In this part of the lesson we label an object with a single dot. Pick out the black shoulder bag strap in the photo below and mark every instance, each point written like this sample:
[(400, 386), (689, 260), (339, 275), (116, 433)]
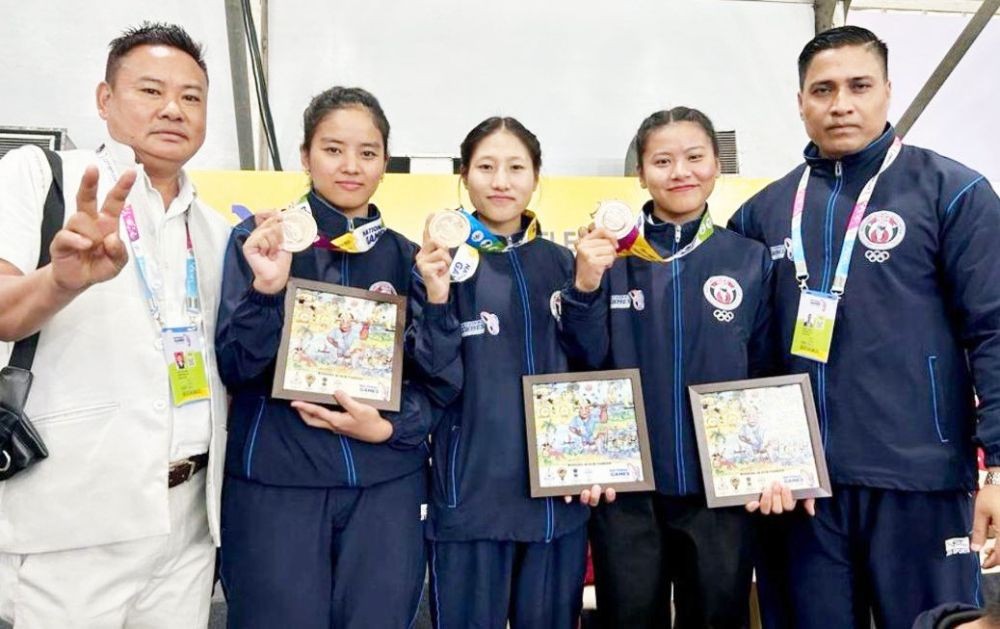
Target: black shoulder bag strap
[(53, 215)]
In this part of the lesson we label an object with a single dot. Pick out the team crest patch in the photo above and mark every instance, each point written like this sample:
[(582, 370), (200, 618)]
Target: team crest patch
[(383, 287), (725, 294), (638, 298), (555, 305), (879, 232), (487, 322)]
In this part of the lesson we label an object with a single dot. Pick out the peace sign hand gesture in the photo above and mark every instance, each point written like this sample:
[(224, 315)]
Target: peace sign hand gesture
[(87, 250)]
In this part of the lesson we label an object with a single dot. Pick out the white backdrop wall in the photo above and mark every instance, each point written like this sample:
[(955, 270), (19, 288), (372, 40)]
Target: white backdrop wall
[(52, 56), (963, 119), (580, 73)]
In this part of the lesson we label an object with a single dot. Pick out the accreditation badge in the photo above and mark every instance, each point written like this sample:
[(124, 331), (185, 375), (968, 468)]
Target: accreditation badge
[(814, 326), (185, 358)]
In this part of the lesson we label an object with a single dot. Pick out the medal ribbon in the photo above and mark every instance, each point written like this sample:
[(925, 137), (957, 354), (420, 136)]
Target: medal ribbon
[(481, 238), (355, 240), (635, 243), (850, 237)]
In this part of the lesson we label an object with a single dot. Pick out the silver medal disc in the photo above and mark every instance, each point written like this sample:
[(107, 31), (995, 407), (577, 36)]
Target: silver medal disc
[(449, 228), (299, 230), (616, 217)]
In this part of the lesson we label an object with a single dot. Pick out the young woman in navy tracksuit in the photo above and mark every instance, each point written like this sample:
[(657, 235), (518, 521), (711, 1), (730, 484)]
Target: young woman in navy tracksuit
[(321, 523), (496, 553), (696, 318)]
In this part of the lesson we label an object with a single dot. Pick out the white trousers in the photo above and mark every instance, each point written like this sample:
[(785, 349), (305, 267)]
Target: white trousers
[(162, 582)]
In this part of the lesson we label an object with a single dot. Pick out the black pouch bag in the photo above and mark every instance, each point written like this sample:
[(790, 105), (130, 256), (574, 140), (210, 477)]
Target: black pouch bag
[(20, 444)]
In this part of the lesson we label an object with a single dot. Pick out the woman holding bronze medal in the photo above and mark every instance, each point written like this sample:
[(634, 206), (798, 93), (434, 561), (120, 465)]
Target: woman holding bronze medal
[(321, 509), (686, 302), (484, 316)]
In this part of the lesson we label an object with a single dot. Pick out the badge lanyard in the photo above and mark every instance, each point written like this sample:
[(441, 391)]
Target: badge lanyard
[(183, 346), (150, 278), (817, 312), (356, 240)]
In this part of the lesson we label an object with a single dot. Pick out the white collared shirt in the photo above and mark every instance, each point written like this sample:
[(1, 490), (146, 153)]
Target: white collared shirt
[(165, 245)]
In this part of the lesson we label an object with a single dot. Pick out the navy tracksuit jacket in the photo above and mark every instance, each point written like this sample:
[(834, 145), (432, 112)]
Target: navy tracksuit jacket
[(268, 441), (472, 351), (319, 529), (661, 319), (918, 324)]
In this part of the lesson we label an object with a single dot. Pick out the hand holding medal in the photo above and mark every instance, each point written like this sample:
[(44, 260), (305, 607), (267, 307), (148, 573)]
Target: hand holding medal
[(615, 220), (434, 260), (595, 253), (270, 262), (298, 228)]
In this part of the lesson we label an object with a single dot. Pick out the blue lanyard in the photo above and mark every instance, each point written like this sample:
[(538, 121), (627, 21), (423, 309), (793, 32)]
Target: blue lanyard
[(152, 281)]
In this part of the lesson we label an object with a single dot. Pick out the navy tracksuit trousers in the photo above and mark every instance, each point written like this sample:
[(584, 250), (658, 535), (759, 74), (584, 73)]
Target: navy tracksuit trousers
[(323, 558), (871, 553)]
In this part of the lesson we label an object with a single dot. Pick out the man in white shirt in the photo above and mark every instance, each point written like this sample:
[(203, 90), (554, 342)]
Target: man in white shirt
[(118, 527)]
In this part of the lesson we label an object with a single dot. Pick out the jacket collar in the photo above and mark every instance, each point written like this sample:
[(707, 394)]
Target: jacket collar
[(332, 221), (664, 234)]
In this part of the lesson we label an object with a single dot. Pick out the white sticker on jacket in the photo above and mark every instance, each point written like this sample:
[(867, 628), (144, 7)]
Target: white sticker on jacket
[(621, 302), (957, 546), (487, 322)]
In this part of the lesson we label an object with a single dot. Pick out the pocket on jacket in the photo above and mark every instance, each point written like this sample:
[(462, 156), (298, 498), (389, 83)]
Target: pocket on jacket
[(452, 481), (74, 414), (937, 399)]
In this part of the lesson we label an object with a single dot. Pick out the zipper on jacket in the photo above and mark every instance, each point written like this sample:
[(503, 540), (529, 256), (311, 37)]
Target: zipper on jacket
[(522, 289), (678, 366), (838, 172), (345, 445)]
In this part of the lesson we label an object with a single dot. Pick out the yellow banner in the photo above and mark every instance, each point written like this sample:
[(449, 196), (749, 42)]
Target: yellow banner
[(562, 203)]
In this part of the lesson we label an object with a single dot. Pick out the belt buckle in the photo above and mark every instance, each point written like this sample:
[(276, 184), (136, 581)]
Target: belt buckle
[(179, 464)]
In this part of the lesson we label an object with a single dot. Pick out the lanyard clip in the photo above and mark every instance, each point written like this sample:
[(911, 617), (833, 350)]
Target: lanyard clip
[(803, 281)]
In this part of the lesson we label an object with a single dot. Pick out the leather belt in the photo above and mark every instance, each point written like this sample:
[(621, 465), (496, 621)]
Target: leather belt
[(182, 471)]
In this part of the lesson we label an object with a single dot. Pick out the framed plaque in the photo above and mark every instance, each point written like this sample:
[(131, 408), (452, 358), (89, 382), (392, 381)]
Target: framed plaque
[(752, 433), (585, 429), (340, 338)]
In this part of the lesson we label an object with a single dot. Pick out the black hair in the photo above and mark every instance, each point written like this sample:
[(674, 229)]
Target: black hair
[(151, 34), (669, 116), (492, 125), (340, 97), (838, 38)]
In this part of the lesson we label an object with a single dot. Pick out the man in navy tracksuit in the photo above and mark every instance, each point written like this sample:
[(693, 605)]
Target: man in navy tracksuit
[(689, 321), (497, 553), (917, 325), (305, 508)]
